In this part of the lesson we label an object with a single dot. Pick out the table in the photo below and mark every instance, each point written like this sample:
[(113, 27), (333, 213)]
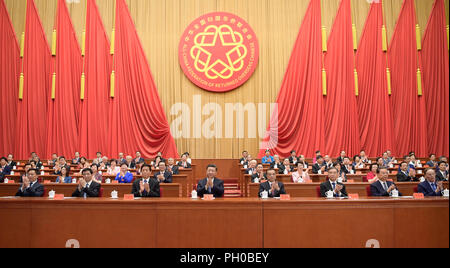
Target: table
[(232, 223), (310, 189), (167, 189)]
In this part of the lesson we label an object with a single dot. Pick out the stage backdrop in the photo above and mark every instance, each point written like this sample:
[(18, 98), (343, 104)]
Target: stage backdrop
[(160, 24)]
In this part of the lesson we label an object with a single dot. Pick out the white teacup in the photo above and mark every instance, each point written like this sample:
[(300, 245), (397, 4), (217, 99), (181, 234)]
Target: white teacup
[(445, 193), (256, 180), (74, 180), (250, 172), (42, 173), (419, 171), (194, 194), (394, 193), (114, 194), (286, 172), (245, 166), (422, 179), (14, 167), (275, 166), (352, 172), (320, 172), (12, 173), (329, 194), (264, 194), (51, 194), (6, 180), (340, 180), (108, 181)]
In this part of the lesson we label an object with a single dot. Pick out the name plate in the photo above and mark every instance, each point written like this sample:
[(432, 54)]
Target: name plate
[(59, 197), (285, 197), (353, 196), (418, 196), (128, 197), (208, 197)]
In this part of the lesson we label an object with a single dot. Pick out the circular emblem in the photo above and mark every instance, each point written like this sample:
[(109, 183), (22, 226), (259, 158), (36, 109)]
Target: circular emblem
[(219, 52)]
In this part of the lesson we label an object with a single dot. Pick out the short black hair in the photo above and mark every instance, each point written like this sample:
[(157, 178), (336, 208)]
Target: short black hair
[(317, 152), (33, 169), (4, 158), (380, 168), (260, 164), (403, 162), (319, 157), (62, 157), (146, 165), (432, 155), (99, 152), (271, 169), (212, 166), (442, 162), (332, 168), (123, 164), (87, 169)]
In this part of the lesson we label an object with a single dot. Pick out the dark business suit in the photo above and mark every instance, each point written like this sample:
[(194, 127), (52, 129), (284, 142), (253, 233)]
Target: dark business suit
[(167, 177), (12, 164), (36, 190), (92, 191), (186, 165), (402, 177), (377, 189), (138, 161), (153, 185), (175, 169), (266, 187), (440, 177), (316, 167), (6, 171), (217, 190), (425, 188), (347, 170), (131, 165), (326, 186), (256, 175)]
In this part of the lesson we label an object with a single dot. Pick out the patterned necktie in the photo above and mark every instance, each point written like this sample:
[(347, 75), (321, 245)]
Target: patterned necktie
[(433, 186)]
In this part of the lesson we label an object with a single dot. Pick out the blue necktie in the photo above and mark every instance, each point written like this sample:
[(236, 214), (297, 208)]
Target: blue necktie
[(433, 186)]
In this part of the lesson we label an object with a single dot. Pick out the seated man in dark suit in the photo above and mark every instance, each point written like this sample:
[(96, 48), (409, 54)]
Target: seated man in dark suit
[(432, 163), (244, 157), (442, 173), (347, 167), (337, 188), (211, 184), (259, 175), (5, 169), (30, 186), (430, 187), (172, 168), (383, 187), (293, 159), (272, 186), (138, 160), (163, 176), (184, 162), (87, 187), (319, 166), (403, 175), (147, 186), (11, 161)]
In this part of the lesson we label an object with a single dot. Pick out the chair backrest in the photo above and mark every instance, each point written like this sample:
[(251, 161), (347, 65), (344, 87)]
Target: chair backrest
[(161, 192), (364, 178), (100, 192), (369, 192), (416, 189), (44, 193), (318, 191)]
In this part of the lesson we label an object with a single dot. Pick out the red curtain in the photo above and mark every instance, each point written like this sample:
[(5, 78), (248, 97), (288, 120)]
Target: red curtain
[(375, 117), (435, 62), (9, 81), (63, 111), (31, 129), (341, 111), (407, 106), (299, 123), (94, 118), (138, 120)]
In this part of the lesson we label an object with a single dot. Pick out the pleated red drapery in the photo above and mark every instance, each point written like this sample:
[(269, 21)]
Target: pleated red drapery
[(435, 71), (9, 81), (94, 118), (375, 117), (63, 111), (341, 111), (408, 107), (31, 129), (299, 122), (138, 120)]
